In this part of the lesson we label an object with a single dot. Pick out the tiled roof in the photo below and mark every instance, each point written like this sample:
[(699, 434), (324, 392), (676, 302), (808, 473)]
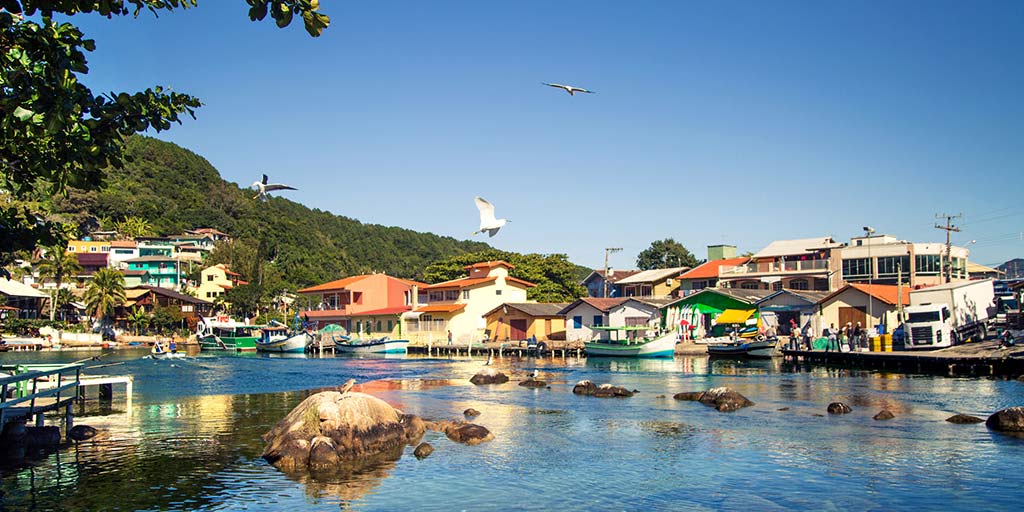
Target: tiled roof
[(461, 283), (490, 264), (440, 308), (601, 304), (172, 294), (333, 285), (527, 284), (123, 244), (709, 269), (533, 308), (884, 292)]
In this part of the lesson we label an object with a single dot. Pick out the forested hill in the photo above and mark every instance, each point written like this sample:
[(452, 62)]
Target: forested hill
[(175, 189)]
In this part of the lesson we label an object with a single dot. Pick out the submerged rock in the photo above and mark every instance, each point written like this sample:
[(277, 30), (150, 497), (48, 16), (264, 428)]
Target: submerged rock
[(462, 432), (721, 398), (839, 408), (962, 419), (471, 413), (533, 383), (39, 437), (1010, 419), (610, 391), (783, 409), (329, 428), (423, 450), (884, 414), (489, 375), (82, 433)]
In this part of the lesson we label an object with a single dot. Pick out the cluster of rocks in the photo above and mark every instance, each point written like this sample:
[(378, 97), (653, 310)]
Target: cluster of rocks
[(721, 398), (585, 387)]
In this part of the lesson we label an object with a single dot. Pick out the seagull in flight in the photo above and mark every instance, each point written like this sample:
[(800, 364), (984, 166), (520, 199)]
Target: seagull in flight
[(262, 187), (487, 221), (568, 88)]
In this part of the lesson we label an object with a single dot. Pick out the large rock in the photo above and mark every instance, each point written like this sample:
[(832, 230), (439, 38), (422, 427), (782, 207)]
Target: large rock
[(1007, 420), (963, 419), (533, 383), (40, 437), (884, 414), (584, 387), (839, 408), (82, 433), (722, 398), (423, 450), (610, 391), (331, 428), (462, 432), (471, 413), (489, 375)]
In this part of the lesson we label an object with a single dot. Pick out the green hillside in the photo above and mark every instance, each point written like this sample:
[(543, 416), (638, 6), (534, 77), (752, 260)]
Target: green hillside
[(175, 189)]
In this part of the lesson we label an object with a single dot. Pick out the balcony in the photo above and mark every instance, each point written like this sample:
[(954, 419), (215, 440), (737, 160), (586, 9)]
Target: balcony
[(775, 267)]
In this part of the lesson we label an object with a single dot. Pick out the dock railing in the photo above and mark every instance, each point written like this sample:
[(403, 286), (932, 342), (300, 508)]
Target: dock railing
[(30, 390)]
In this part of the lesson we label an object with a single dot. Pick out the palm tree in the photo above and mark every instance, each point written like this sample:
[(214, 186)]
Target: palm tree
[(57, 264), (138, 318), (104, 293), (61, 299), (133, 227)]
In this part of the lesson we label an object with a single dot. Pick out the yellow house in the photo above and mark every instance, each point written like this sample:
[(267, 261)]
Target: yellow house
[(657, 283), (215, 281), (456, 308), (88, 246), (519, 321)]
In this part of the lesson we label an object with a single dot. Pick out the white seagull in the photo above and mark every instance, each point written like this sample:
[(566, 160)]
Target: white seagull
[(568, 88), (487, 221), (262, 187)]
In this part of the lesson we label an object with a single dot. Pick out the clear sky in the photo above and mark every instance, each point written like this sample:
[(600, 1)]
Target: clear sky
[(712, 122)]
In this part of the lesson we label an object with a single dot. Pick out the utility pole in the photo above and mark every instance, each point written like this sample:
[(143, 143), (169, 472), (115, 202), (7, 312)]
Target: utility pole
[(607, 251), (947, 264)]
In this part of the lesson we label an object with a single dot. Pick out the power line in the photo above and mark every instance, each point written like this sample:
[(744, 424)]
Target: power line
[(947, 266)]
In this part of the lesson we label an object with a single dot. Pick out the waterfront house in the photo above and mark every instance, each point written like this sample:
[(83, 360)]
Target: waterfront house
[(150, 297), (883, 259), (371, 304), (783, 308), (216, 280), (871, 305), (517, 321), (705, 275), (458, 306), (803, 264), (596, 281), (27, 300), (163, 270), (656, 283), (696, 315), (586, 313)]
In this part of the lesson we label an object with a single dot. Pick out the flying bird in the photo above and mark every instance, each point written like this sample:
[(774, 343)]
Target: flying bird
[(568, 88), (262, 187), (487, 221)]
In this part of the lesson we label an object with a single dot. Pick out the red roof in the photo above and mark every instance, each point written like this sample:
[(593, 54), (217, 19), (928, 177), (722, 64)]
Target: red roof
[(461, 283), (490, 264), (440, 308), (328, 313), (520, 281), (333, 285), (123, 244), (709, 269), (883, 292)]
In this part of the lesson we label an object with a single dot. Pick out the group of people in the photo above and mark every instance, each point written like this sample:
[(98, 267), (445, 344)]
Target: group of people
[(848, 337)]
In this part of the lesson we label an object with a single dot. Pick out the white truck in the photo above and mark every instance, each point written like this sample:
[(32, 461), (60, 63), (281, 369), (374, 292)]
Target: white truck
[(948, 314)]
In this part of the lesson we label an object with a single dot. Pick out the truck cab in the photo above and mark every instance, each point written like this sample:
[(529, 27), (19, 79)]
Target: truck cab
[(928, 327)]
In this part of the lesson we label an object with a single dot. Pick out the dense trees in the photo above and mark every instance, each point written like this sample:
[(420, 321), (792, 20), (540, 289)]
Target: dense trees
[(54, 132), (665, 253), (57, 264), (556, 278)]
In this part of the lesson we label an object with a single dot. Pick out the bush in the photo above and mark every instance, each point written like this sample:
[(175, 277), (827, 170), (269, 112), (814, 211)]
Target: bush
[(30, 327)]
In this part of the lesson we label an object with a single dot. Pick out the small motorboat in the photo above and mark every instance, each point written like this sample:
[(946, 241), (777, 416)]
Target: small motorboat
[(757, 348), (384, 345)]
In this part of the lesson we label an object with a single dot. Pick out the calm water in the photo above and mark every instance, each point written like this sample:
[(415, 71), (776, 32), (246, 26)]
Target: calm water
[(192, 440)]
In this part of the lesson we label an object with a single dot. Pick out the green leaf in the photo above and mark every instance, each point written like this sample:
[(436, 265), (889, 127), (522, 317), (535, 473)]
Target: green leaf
[(23, 114), (258, 11), (285, 18)]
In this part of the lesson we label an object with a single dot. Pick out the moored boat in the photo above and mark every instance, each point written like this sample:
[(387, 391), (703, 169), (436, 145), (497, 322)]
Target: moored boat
[(633, 344), (224, 333), (383, 345), (744, 348), (278, 339)]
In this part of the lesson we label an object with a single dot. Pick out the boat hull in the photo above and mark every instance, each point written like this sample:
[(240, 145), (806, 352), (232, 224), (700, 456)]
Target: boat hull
[(229, 342), (664, 346), (751, 349), (373, 347), (295, 344)]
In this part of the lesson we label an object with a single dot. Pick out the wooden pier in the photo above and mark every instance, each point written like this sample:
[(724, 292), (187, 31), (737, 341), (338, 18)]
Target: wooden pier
[(497, 349), (972, 359)]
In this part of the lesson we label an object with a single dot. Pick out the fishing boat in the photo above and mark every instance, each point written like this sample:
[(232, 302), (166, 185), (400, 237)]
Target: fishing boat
[(159, 352), (279, 339), (224, 333), (382, 345), (631, 342), (757, 349)]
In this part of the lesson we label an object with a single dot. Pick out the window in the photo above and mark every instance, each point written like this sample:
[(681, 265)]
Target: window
[(209, 277), (105, 249), (750, 285), (378, 326), (426, 319), (577, 322), (856, 268), (891, 266), (928, 264), (598, 320), (71, 248), (451, 295), (391, 325), (497, 292), (92, 249), (436, 296), (798, 284), (465, 294)]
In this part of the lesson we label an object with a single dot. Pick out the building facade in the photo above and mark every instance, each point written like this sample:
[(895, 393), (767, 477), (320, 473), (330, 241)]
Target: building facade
[(517, 321), (802, 264), (884, 259)]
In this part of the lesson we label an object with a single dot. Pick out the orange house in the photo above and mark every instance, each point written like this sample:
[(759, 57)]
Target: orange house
[(371, 304)]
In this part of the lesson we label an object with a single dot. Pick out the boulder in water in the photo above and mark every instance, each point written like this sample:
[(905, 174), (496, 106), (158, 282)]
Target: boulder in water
[(82, 433), (584, 387), (471, 413), (423, 450), (39, 437), (354, 426), (610, 391), (462, 432), (884, 414), (721, 398), (839, 408), (963, 419), (533, 383), (1010, 419), (489, 375)]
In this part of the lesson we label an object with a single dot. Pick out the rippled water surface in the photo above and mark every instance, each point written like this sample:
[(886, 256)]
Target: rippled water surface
[(192, 440)]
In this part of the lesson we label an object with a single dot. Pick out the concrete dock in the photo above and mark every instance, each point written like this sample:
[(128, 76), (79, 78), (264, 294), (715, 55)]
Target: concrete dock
[(971, 359)]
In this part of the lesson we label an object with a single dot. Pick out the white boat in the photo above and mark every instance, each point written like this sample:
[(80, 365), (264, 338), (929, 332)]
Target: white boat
[(633, 345), (383, 345), (278, 339), (760, 349)]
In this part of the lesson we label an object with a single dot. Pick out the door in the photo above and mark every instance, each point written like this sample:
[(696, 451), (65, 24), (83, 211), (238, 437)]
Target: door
[(518, 329), (852, 315)]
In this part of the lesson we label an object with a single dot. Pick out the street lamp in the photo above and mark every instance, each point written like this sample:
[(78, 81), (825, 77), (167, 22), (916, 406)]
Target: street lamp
[(868, 231), (607, 251)]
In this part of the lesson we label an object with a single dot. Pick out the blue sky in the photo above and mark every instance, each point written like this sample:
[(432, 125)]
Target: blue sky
[(713, 122)]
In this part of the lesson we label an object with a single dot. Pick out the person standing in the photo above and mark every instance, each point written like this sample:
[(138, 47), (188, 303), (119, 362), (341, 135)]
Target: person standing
[(858, 334), (449, 337)]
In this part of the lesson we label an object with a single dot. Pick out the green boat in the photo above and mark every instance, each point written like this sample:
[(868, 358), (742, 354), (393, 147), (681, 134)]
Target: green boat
[(223, 333)]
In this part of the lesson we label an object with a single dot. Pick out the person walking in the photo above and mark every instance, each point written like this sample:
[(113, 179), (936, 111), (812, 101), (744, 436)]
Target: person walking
[(858, 335)]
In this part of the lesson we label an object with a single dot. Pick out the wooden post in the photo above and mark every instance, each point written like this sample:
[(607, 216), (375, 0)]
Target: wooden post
[(69, 419), (40, 419), (106, 392)]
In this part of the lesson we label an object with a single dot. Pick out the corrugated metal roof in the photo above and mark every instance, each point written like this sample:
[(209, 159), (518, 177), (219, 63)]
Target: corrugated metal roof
[(650, 276), (796, 247), (13, 288)]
